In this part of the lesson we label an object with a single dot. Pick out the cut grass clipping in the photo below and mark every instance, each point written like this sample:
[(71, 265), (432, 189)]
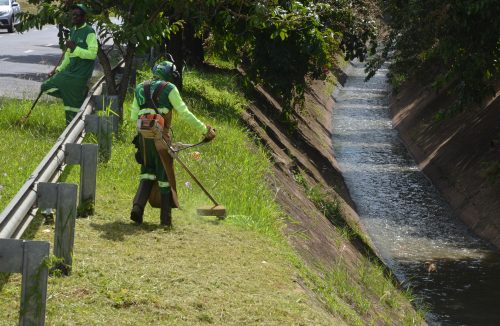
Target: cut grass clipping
[(234, 272)]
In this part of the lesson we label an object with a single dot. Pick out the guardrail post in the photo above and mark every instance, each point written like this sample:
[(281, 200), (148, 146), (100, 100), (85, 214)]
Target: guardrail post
[(86, 156), (28, 258), (62, 197), (102, 126), (109, 105)]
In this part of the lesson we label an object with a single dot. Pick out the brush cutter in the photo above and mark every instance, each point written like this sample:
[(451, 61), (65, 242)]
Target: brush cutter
[(154, 129)]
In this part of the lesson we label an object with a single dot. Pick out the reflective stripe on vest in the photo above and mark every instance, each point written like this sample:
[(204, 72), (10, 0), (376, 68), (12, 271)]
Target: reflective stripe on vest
[(147, 176), (162, 184)]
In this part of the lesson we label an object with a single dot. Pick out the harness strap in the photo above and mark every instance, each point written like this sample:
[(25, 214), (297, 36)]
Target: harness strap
[(151, 101)]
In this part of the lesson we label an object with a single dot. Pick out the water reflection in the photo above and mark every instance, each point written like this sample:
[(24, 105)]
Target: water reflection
[(409, 222)]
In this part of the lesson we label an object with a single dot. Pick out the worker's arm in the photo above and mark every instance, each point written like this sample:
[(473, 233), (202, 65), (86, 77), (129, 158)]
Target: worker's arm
[(175, 98), (134, 112), (65, 62), (91, 51)]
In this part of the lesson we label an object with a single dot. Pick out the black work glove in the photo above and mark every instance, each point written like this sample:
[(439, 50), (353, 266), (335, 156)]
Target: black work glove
[(210, 134)]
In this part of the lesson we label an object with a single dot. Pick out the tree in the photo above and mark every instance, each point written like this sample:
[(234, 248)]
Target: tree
[(447, 43), (134, 28), (281, 44)]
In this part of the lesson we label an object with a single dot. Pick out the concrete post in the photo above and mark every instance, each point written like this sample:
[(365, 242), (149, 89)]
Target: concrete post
[(61, 196), (86, 156), (28, 258)]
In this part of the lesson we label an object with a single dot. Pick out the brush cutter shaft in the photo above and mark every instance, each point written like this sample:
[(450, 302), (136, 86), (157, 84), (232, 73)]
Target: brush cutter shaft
[(196, 180), (173, 153), (176, 147)]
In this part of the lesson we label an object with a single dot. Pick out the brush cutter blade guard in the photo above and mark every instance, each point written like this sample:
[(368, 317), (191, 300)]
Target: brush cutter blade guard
[(217, 210)]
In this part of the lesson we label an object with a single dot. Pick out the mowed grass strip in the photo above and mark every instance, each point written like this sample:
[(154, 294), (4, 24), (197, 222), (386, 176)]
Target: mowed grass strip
[(233, 272)]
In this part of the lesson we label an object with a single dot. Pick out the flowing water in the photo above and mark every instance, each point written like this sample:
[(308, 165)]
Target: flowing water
[(411, 225)]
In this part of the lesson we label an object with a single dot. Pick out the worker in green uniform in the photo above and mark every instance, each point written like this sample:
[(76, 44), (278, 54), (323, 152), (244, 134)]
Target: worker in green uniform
[(164, 98), (69, 80)]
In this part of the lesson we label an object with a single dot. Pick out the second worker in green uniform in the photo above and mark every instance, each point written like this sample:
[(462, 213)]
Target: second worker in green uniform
[(69, 80), (165, 99)]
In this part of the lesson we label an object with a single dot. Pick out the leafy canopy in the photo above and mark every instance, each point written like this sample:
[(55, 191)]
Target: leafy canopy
[(453, 43)]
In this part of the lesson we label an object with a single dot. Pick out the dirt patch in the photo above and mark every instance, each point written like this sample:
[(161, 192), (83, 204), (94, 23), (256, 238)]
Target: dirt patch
[(455, 153)]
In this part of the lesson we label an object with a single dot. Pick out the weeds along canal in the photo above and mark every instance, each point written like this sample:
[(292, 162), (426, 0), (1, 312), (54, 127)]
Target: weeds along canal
[(452, 273)]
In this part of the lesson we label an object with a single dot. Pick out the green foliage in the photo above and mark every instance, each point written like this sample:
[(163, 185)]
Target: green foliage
[(282, 44), (453, 44)]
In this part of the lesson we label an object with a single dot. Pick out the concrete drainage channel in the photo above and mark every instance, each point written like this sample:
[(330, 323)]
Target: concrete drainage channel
[(42, 191)]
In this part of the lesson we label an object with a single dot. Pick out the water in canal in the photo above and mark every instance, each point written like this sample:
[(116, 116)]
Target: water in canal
[(409, 222)]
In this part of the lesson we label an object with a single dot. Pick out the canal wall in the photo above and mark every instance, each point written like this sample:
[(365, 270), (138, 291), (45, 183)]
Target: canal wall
[(458, 154)]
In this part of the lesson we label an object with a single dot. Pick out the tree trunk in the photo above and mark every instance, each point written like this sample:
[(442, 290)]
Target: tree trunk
[(174, 47), (193, 46), (124, 83), (109, 75)]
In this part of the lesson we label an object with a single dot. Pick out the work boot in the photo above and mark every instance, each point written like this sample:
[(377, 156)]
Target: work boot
[(165, 210), (140, 200)]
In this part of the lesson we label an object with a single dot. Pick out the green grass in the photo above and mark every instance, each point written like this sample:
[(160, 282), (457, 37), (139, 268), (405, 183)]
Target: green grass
[(23, 146), (234, 272)]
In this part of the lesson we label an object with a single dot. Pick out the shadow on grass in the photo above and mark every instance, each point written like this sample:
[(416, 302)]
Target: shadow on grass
[(118, 230), (222, 110)]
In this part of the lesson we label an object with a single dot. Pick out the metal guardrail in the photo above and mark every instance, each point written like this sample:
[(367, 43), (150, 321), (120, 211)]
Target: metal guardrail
[(19, 213)]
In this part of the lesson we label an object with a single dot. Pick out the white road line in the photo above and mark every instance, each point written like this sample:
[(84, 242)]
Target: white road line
[(29, 51)]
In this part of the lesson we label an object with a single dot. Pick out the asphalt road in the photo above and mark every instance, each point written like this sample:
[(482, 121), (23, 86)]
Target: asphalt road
[(25, 60)]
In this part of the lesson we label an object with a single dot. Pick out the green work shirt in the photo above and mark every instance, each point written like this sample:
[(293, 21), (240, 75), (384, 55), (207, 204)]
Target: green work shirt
[(70, 81), (79, 62), (169, 99)]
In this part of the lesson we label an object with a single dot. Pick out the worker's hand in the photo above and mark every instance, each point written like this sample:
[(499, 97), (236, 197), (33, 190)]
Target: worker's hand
[(70, 45), (210, 134), (52, 73)]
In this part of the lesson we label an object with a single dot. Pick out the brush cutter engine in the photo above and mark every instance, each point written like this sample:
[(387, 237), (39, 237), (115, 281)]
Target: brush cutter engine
[(151, 126)]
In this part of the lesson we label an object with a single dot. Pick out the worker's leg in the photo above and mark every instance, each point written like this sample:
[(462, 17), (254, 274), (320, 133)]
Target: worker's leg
[(70, 113), (147, 179), (140, 200)]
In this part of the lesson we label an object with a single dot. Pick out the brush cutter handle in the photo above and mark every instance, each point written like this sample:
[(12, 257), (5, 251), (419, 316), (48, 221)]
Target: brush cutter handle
[(177, 147), (23, 119), (197, 181)]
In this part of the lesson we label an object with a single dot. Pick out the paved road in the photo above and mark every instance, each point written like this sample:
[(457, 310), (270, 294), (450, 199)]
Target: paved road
[(25, 60)]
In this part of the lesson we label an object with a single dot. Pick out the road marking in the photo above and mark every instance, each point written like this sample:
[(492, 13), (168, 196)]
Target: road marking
[(29, 51)]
